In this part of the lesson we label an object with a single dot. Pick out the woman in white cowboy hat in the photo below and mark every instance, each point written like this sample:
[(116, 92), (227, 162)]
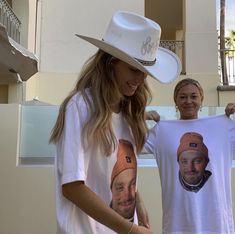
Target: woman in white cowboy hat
[(106, 106)]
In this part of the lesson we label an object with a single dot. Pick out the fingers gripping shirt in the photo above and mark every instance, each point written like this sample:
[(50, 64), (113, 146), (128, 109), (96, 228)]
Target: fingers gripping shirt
[(203, 203)]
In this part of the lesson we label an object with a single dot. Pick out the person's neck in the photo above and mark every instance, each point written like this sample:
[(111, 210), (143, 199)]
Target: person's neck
[(188, 118), (116, 108)]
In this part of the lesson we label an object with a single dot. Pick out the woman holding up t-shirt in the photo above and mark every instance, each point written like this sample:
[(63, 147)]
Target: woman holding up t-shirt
[(194, 206)]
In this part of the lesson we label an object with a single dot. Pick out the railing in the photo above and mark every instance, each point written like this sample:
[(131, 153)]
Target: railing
[(230, 65), (10, 20), (178, 48)]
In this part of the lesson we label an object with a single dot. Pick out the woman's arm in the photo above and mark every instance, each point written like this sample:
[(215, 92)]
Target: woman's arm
[(83, 197)]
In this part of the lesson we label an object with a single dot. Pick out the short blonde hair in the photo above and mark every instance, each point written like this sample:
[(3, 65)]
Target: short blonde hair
[(185, 82)]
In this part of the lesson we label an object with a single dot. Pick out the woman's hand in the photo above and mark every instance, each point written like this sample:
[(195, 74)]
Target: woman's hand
[(152, 115), (142, 213), (230, 109)]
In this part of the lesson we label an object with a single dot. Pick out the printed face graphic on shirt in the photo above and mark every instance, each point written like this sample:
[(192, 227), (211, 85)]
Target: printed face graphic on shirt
[(192, 166), (123, 181), (123, 193), (192, 156)]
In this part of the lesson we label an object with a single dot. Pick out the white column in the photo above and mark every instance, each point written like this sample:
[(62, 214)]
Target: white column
[(201, 50)]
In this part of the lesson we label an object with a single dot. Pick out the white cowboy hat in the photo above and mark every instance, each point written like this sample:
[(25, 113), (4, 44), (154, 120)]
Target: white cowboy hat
[(135, 39)]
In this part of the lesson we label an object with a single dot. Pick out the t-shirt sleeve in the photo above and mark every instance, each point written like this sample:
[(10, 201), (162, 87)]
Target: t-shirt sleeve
[(151, 141), (232, 129), (70, 151), (232, 135)]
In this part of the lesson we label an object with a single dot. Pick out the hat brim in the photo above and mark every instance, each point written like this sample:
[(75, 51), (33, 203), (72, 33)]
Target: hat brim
[(166, 68)]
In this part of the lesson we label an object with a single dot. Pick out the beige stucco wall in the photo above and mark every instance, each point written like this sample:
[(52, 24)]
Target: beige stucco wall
[(61, 51), (163, 93), (50, 87), (54, 87), (168, 14), (201, 44), (3, 94), (27, 193), (226, 97), (21, 9), (61, 54)]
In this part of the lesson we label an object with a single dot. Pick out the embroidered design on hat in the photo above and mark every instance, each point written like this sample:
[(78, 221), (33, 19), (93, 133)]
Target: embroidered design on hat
[(128, 159), (148, 46), (192, 144)]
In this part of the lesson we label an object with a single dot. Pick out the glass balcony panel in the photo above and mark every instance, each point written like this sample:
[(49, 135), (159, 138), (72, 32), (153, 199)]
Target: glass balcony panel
[(35, 129), (37, 122)]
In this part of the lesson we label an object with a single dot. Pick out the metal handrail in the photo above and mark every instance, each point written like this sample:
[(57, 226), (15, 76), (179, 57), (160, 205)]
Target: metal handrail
[(230, 65), (9, 19), (178, 48)]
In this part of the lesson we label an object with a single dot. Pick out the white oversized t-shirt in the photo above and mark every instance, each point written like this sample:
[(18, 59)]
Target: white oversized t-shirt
[(74, 164), (209, 210)]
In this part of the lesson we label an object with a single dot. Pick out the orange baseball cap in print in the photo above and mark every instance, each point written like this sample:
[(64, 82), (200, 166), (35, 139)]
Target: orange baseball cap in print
[(192, 141), (126, 158)]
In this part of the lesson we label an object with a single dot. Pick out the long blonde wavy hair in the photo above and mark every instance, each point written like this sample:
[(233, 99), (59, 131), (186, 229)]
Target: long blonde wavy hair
[(97, 75)]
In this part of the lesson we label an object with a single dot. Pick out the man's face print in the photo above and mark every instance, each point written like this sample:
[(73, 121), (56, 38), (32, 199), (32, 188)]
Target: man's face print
[(192, 166), (123, 181), (192, 157), (123, 193)]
